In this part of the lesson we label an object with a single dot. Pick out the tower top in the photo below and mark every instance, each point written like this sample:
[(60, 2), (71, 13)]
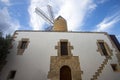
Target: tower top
[(60, 24)]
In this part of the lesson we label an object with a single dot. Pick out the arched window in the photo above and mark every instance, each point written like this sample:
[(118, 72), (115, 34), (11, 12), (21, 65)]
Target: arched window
[(65, 73)]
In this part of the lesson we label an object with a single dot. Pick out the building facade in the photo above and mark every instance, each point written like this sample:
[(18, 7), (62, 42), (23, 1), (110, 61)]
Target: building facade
[(62, 55)]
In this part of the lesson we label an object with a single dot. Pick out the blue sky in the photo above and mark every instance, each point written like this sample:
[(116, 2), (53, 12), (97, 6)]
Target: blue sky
[(81, 15)]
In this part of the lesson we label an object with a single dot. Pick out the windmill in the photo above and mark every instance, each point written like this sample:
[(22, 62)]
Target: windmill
[(49, 19)]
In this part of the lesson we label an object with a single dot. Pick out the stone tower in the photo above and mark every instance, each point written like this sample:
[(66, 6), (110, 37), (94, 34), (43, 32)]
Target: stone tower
[(60, 24)]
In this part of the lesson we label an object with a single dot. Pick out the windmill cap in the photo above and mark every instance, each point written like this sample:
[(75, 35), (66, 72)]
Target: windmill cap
[(59, 17)]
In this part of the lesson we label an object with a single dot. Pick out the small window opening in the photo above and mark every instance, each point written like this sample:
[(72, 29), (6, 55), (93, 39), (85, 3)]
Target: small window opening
[(64, 48), (23, 45), (115, 67), (12, 74), (102, 46)]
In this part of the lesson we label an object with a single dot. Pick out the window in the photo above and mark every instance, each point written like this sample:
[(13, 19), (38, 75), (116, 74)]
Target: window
[(23, 45), (64, 48), (115, 67), (102, 46), (11, 74)]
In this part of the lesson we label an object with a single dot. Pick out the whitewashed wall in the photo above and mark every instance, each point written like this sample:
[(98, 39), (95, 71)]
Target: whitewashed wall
[(34, 64)]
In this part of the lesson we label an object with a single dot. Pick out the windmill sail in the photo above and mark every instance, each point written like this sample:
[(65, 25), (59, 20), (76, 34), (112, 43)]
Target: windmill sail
[(43, 15), (50, 12)]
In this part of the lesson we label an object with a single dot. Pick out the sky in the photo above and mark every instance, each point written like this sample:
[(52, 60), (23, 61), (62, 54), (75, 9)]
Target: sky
[(81, 15)]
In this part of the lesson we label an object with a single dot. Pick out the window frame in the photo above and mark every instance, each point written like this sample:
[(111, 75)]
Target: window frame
[(106, 47), (64, 48), (23, 44), (69, 47), (21, 49)]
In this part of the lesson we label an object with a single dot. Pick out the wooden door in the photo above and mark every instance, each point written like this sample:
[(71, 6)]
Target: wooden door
[(65, 73)]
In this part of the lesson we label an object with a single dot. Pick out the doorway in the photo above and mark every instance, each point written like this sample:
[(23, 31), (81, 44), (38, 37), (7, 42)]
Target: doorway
[(65, 73)]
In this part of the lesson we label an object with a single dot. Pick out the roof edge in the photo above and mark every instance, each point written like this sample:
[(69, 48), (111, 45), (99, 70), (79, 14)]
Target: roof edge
[(59, 31)]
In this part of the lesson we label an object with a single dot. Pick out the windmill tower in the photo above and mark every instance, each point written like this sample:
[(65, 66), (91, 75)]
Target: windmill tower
[(63, 66), (58, 24)]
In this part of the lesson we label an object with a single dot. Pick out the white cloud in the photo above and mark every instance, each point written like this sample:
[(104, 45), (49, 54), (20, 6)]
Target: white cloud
[(118, 36), (108, 22), (36, 22), (6, 2), (74, 11), (101, 1), (7, 23)]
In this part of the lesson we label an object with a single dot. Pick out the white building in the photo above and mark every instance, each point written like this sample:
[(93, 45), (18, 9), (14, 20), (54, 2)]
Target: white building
[(62, 55)]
